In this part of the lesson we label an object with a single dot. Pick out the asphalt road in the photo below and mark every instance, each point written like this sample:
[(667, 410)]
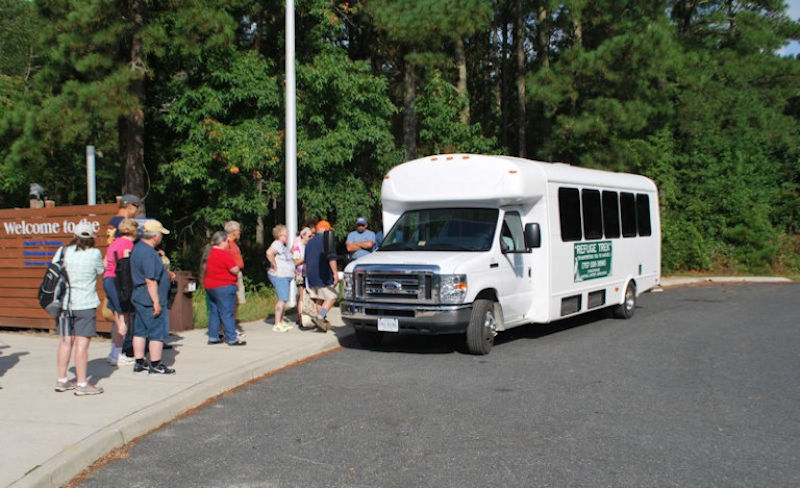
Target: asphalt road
[(700, 388)]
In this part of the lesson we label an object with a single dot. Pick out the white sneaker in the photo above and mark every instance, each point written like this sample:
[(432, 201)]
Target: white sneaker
[(112, 360), (124, 360)]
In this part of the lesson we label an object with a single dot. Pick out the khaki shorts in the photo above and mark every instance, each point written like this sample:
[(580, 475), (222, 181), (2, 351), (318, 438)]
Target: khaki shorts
[(323, 292), (240, 289)]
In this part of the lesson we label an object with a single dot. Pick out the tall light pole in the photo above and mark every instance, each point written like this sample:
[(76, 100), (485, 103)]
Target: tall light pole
[(291, 136), (291, 127)]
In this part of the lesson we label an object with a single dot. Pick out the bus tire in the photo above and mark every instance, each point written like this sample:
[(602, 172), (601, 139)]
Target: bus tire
[(368, 338), (482, 327), (626, 309)]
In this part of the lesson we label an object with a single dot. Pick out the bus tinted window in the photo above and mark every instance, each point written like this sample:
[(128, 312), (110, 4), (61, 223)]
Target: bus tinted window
[(643, 214), (627, 204), (610, 214), (569, 211), (592, 214)]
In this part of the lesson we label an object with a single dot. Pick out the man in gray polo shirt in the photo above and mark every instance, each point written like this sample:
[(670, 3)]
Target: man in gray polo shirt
[(361, 241)]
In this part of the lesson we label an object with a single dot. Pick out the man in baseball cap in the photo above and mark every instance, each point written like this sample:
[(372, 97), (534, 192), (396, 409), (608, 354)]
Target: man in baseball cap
[(361, 241), (128, 207), (322, 276), (151, 281)]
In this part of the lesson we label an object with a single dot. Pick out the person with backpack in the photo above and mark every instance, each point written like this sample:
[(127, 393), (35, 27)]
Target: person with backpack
[(77, 323), (118, 285)]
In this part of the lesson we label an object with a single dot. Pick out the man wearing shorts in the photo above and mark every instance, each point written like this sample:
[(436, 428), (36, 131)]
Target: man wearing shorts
[(151, 283), (322, 276)]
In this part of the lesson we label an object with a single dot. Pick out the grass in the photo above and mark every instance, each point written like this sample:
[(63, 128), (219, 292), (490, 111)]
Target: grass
[(260, 303)]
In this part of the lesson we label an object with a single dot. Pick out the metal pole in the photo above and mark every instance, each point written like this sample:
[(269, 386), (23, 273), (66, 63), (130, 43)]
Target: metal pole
[(91, 192), (291, 126), (291, 134)]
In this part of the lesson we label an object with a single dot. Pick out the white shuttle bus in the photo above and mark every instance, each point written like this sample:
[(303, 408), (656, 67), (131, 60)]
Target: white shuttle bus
[(479, 244)]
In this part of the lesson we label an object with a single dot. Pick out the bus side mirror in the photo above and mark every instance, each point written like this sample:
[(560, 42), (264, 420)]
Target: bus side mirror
[(533, 236), (329, 242)]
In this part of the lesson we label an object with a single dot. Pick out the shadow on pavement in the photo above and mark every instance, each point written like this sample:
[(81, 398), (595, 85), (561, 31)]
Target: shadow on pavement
[(447, 344), (99, 369), (9, 361)]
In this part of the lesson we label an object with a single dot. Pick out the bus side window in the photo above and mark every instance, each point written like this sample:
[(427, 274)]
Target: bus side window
[(627, 203), (610, 214), (592, 214), (643, 214), (569, 213)]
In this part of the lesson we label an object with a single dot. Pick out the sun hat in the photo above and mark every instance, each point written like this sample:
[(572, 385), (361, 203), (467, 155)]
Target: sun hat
[(153, 227), (83, 230)]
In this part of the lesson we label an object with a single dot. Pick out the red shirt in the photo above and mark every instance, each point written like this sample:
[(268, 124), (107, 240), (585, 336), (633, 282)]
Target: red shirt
[(217, 269), (233, 248)]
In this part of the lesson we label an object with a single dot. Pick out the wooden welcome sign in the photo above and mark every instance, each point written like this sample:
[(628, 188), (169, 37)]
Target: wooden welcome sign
[(29, 238)]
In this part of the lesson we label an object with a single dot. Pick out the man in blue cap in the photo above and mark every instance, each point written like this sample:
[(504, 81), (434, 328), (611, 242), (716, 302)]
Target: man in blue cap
[(361, 241)]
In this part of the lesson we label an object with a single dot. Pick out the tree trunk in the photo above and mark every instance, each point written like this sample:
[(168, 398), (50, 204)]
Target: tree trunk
[(495, 60), (260, 218), (409, 117), (504, 139), (131, 126), (461, 64), (519, 54), (543, 37)]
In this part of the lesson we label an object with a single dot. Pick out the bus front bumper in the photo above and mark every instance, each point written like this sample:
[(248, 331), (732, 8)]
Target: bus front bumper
[(411, 319)]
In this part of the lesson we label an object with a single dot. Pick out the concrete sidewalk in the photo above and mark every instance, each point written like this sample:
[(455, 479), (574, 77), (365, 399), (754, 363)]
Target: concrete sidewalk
[(48, 438)]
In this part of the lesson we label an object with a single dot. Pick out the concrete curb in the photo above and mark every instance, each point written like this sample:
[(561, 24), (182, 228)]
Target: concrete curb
[(70, 462), (673, 281)]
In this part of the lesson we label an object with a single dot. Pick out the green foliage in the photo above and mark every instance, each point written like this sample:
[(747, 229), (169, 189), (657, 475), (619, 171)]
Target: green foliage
[(440, 129), (345, 145), (690, 94)]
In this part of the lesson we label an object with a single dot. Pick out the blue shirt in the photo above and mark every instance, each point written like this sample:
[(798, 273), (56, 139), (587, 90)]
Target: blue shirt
[(357, 236), (318, 268), (146, 264)]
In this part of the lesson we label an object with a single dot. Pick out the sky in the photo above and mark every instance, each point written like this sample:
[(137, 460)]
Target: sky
[(793, 48)]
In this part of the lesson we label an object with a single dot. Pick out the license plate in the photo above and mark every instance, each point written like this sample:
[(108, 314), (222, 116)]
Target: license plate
[(387, 324)]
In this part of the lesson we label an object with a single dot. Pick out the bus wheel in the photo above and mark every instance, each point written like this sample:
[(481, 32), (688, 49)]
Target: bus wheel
[(482, 327), (368, 338), (626, 309)]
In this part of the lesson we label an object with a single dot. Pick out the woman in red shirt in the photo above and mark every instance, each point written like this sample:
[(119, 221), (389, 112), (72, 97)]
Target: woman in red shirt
[(220, 284)]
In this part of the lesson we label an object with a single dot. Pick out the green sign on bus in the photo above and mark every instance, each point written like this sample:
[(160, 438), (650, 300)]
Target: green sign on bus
[(592, 260)]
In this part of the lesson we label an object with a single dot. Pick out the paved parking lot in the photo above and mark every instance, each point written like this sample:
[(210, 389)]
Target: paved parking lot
[(700, 388)]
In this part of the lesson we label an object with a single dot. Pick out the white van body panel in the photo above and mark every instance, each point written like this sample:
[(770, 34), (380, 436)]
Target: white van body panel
[(529, 286)]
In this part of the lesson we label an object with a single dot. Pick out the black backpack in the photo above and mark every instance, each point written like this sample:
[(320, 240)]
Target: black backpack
[(54, 290), (124, 282)]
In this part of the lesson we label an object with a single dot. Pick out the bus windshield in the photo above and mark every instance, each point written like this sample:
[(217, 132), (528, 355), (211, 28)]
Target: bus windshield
[(443, 229)]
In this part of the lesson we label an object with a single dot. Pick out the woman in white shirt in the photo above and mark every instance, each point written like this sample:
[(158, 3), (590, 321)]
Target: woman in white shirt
[(281, 273), (78, 321)]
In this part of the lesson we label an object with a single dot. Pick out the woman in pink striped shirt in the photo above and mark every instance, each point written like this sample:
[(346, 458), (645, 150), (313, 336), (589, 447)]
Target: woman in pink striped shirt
[(120, 248)]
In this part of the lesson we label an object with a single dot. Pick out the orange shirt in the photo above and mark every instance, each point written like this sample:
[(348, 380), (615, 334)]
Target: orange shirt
[(233, 248)]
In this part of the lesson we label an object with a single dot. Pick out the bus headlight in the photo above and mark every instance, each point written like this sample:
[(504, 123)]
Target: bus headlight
[(452, 288), (347, 286)]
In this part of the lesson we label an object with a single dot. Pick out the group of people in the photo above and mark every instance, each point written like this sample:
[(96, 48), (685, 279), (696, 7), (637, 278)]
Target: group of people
[(142, 318), (150, 281)]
